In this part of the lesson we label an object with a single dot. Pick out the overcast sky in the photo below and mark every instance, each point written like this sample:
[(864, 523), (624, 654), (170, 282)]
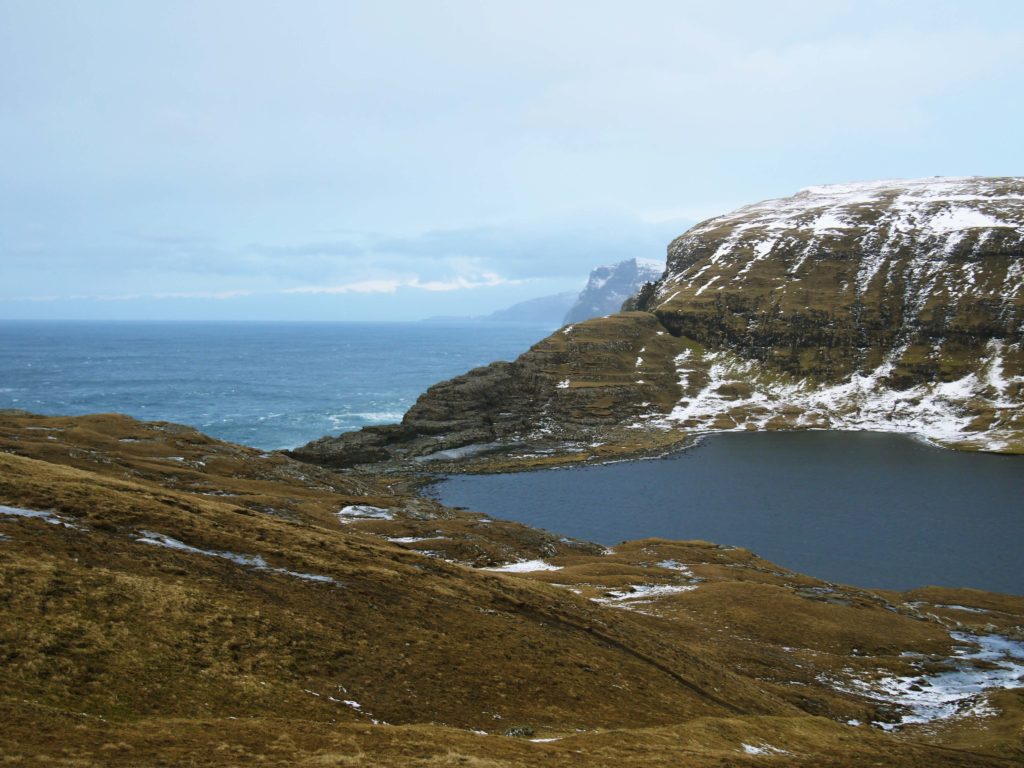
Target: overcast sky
[(394, 160)]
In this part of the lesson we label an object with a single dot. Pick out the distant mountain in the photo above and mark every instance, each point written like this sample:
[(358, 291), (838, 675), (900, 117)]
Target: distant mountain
[(546, 309), (609, 287)]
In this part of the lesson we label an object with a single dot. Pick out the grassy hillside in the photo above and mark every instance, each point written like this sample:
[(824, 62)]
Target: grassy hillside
[(177, 600)]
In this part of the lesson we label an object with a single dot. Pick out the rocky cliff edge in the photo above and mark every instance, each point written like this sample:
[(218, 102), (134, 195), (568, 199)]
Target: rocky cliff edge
[(888, 306)]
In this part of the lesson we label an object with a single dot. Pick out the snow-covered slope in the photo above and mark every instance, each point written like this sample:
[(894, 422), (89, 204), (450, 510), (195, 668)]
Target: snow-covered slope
[(891, 305), (906, 233)]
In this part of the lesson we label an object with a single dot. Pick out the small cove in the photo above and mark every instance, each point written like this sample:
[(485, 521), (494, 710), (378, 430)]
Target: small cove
[(876, 510)]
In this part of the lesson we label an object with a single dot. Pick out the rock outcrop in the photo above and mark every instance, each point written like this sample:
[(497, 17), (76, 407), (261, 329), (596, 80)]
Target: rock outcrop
[(886, 305), (609, 287), (579, 381), (891, 306)]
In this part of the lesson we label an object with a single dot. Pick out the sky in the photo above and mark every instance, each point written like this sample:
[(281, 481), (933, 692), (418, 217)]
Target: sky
[(387, 160)]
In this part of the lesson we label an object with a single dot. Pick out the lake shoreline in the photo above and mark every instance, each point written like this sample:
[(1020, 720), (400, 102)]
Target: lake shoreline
[(917, 512)]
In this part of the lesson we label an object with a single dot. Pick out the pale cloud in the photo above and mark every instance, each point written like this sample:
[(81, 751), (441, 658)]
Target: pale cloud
[(391, 285), (463, 284), (360, 286), (207, 295), (684, 216), (215, 151), (165, 296)]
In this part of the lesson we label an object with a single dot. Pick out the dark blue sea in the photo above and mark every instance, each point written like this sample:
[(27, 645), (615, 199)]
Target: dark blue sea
[(268, 385)]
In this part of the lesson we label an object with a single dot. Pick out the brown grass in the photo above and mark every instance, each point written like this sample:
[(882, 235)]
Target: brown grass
[(116, 652)]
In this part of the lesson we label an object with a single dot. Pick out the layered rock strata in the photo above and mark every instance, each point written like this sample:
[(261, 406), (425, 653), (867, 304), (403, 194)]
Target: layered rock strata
[(890, 306)]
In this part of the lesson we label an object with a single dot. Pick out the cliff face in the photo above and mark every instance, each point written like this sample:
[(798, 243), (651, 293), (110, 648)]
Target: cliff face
[(836, 279), (609, 287), (580, 381), (892, 306), (884, 305)]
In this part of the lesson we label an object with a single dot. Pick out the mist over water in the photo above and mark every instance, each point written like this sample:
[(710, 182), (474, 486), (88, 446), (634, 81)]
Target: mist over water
[(268, 385), (875, 510)]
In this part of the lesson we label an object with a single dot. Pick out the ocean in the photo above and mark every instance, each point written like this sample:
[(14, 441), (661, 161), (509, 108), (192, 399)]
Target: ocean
[(267, 385)]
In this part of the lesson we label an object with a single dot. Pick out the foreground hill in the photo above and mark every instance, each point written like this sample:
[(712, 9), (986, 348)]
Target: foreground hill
[(170, 599), (892, 306)]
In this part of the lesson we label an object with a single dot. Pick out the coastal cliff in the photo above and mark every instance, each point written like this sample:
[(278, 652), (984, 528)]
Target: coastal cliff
[(891, 306)]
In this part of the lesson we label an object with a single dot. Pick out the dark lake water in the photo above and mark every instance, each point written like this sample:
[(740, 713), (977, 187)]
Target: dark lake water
[(875, 510)]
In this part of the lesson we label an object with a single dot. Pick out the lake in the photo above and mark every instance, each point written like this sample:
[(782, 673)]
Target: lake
[(876, 510)]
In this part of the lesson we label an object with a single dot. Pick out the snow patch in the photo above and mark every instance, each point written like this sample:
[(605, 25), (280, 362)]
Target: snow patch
[(524, 566), (828, 222), (954, 693), (46, 516), (411, 539), (256, 562), (958, 218), (675, 565), (462, 452), (962, 608), (738, 397), (707, 285), (356, 512), (762, 749), (639, 594)]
